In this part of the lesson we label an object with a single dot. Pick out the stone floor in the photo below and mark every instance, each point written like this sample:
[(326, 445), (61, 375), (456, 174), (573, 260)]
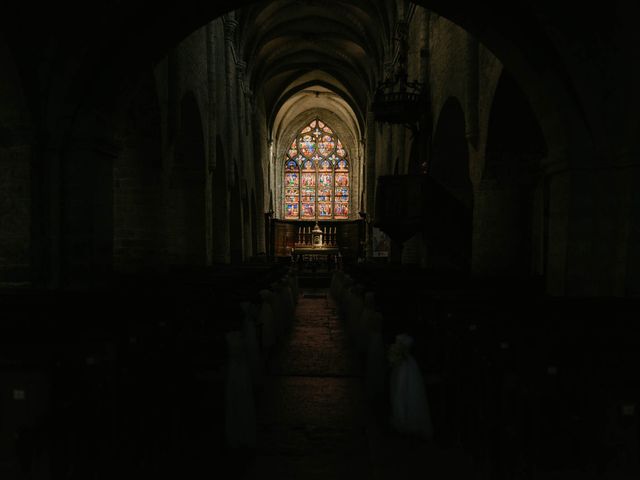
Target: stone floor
[(313, 420)]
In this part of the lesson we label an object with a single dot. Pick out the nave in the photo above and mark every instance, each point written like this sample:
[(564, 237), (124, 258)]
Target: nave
[(247, 370), (314, 419)]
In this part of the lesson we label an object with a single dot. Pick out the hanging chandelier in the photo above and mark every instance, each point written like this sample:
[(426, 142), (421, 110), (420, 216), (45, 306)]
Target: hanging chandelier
[(397, 100)]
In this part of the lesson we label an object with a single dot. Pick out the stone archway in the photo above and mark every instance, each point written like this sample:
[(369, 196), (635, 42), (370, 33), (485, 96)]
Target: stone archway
[(509, 220), (449, 167)]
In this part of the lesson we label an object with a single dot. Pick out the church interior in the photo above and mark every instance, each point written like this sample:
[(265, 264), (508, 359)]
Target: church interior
[(219, 222)]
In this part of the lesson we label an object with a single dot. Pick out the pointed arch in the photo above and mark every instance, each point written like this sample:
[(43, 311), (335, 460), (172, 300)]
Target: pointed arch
[(316, 175), (450, 154), (510, 222), (449, 167)]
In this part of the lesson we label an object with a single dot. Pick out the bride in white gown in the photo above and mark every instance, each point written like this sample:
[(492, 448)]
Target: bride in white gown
[(409, 406)]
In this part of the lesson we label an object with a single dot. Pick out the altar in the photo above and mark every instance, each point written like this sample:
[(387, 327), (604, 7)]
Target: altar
[(316, 245), (315, 253), (291, 239)]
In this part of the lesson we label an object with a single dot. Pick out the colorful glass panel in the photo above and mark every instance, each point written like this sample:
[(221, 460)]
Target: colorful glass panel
[(342, 179), (326, 145), (308, 210), (291, 165), (325, 181), (341, 211), (292, 210), (324, 210), (293, 150), (342, 191), (291, 180), (316, 175), (308, 180), (307, 145)]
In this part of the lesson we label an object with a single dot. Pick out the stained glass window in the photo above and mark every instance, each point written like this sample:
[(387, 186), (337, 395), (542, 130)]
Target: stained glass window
[(316, 175)]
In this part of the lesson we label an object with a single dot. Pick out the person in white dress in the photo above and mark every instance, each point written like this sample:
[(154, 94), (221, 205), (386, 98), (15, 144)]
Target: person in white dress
[(410, 411)]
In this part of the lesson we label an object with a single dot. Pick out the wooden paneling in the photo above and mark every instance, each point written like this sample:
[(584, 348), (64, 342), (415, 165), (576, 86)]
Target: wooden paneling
[(348, 234)]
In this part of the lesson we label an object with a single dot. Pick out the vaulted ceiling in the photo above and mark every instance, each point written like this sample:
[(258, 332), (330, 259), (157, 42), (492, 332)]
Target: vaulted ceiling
[(328, 45)]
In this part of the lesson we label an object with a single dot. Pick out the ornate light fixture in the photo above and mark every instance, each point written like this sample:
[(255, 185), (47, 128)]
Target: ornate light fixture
[(396, 99)]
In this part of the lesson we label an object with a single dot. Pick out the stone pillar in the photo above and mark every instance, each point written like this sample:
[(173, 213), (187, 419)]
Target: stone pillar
[(472, 93), (221, 241), (558, 197), (369, 168), (592, 229), (502, 229), (240, 116), (212, 129), (601, 245), (230, 26)]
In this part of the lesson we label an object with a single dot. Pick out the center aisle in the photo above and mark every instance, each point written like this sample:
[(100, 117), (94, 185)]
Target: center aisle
[(311, 412)]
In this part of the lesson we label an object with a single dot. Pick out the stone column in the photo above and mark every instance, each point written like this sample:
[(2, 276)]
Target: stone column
[(240, 117), (370, 177), (472, 93), (502, 229), (212, 129), (230, 26)]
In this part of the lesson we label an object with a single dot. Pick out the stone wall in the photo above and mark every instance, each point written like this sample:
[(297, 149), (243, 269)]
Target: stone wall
[(16, 138), (176, 165)]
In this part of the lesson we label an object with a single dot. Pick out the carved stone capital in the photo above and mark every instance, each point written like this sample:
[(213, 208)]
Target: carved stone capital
[(230, 26)]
